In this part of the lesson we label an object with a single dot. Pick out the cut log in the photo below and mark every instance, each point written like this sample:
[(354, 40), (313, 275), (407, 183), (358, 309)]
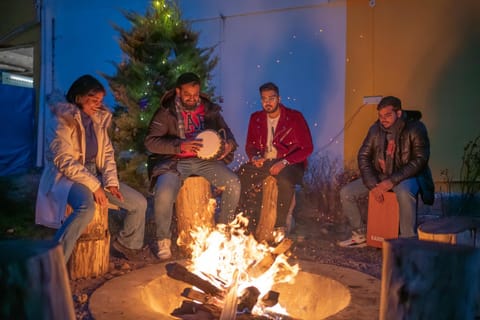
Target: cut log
[(428, 280), (453, 230), (383, 219), (194, 207), (268, 212), (263, 265), (179, 272), (34, 281), (91, 255), (229, 311), (248, 299)]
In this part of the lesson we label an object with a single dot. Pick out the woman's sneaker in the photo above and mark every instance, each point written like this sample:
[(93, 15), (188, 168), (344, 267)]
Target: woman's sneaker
[(163, 251), (358, 240)]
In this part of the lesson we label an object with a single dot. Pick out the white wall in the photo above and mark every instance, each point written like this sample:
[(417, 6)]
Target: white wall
[(299, 45)]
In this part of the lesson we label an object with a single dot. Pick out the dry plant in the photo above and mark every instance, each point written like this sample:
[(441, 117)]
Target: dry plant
[(468, 184), (323, 180)]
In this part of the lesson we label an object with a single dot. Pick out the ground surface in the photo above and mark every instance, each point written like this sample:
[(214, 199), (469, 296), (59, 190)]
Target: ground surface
[(315, 240), (315, 235)]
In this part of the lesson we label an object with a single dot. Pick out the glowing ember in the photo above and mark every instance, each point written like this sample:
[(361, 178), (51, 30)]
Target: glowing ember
[(231, 259)]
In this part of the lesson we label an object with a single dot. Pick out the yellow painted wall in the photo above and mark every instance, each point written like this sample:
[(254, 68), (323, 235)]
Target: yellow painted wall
[(427, 53)]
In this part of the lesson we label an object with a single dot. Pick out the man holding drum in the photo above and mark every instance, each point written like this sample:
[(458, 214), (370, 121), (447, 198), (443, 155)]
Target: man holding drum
[(184, 113), (278, 144)]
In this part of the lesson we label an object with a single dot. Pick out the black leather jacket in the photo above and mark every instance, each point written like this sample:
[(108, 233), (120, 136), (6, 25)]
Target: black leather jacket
[(163, 141), (411, 155)]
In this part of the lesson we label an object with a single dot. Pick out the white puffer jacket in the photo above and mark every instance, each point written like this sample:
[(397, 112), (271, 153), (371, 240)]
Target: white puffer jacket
[(65, 160)]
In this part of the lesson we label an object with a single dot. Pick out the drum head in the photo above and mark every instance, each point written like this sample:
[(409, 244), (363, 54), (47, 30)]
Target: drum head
[(212, 145)]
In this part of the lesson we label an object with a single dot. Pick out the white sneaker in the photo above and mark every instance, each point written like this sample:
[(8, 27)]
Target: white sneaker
[(163, 249), (358, 240)]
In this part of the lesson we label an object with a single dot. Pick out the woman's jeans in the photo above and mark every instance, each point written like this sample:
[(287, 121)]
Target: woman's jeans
[(168, 185), (80, 198), (406, 192)]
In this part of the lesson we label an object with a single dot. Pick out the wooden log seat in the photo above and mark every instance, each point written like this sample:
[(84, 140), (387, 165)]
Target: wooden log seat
[(268, 212), (194, 207), (91, 255), (382, 220), (34, 281), (428, 280), (454, 230)]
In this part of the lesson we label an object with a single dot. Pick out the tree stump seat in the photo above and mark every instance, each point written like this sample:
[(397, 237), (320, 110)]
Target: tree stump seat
[(454, 230), (34, 281), (91, 255), (194, 207), (429, 280), (268, 212)]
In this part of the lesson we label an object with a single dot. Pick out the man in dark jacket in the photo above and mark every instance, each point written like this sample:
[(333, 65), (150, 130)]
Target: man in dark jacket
[(278, 144), (171, 138), (393, 157)]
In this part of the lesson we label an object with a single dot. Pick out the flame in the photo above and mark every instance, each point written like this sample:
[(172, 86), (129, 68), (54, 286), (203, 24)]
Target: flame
[(229, 256)]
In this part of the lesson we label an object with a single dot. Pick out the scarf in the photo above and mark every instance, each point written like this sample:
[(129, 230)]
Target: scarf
[(389, 143), (180, 122)]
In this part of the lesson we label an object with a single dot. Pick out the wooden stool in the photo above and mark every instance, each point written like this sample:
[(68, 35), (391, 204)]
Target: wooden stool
[(382, 220), (194, 208), (453, 230), (268, 213), (91, 255)]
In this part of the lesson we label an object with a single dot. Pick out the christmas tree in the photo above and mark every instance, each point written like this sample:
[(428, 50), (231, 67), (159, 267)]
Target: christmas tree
[(158, 48)]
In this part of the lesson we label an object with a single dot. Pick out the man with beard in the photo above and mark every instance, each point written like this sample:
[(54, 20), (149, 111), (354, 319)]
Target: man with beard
[(393, 157), (171, 138), (278, 144)]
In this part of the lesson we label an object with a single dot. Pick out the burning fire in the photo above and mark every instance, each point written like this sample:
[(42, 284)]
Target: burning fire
[(231, 259)]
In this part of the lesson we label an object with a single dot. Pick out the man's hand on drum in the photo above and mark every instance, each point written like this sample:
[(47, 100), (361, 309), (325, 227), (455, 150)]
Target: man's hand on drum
[(191, 146), (227, 147)]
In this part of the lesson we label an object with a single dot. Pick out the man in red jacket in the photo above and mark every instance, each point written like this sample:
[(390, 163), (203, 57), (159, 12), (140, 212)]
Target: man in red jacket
[(278, 144)]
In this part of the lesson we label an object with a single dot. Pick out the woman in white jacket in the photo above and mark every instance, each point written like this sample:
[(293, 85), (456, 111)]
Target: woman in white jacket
[(81, 171)]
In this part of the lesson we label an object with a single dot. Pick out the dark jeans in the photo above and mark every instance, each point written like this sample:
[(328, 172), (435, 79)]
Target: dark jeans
[(251, 179)]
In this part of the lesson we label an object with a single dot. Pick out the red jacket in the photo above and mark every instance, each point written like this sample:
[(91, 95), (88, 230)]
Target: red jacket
[(292, 136)]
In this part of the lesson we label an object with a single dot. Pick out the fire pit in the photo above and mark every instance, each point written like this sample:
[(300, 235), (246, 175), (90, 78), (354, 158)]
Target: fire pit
[(320, 291)]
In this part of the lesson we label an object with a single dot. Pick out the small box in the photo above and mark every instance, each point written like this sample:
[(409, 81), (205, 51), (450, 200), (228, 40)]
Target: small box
[(382, 220)]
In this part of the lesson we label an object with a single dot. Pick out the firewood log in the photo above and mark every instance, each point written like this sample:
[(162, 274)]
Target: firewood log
[(179, 272), (428, 280), (33, 281)]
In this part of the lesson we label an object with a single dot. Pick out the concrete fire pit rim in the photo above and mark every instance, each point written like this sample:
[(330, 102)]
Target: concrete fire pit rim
[(109, 301)]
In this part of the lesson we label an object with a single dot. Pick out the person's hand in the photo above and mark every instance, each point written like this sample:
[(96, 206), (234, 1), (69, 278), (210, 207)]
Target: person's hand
[(227, 147), (258, 161), (277, 167), (191, 146), (385, 185), (377, 194), (100, 197), (115, 192)]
